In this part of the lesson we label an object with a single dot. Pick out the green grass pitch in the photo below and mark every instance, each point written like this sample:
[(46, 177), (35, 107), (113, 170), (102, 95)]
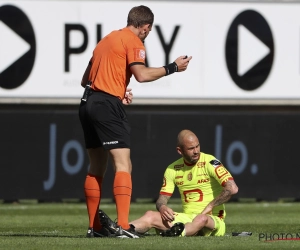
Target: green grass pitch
[(31, 225)]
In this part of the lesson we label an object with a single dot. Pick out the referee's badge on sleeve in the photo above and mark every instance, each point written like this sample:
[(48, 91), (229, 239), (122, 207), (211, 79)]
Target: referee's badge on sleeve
[(139, 54)]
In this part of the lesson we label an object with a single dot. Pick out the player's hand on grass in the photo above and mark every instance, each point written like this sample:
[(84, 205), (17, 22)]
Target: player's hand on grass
[(182, 62), (128, 97)]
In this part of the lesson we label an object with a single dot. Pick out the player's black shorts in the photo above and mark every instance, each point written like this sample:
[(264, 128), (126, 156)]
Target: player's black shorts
[(104, 122)]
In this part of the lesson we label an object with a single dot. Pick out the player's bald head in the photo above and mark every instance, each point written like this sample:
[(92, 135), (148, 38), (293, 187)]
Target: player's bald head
[(185, 136)]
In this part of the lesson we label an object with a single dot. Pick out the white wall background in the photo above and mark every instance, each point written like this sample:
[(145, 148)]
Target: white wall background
[(202, 34)]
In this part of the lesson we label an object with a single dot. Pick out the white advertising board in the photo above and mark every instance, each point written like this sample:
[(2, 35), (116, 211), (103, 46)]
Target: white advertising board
[(240, 50)]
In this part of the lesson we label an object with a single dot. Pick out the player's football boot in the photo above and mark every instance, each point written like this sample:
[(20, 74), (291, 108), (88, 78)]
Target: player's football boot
[(174, 231), (107, 222), (127, 233), (103, 232)]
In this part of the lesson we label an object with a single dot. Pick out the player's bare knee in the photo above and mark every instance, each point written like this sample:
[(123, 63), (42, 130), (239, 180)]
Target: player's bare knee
[(201, 219), (150, 215), (153, 218)]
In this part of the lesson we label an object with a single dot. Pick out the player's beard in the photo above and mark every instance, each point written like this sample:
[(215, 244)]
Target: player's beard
[(193, 159)]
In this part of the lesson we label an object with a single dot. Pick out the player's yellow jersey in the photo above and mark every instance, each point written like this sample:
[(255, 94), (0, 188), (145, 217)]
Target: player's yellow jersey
[(198, 184)]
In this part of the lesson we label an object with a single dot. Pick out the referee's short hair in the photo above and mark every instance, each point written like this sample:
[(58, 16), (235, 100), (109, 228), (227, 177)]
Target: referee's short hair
[(139, 16)]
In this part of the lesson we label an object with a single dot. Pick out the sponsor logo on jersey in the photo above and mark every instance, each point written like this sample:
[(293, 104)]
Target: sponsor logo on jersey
[(201, 164), (202, 174), (190, 176), (215, 163), (221, 171), (178, 167), (194, 195), (179, 183), (203, 181), (179, 177)]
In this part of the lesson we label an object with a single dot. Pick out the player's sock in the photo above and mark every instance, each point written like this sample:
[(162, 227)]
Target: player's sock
[(122, 193), (92, 191)]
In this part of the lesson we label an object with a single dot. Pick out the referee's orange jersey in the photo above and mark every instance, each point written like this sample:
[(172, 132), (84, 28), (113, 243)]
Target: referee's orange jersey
[(111, 61)]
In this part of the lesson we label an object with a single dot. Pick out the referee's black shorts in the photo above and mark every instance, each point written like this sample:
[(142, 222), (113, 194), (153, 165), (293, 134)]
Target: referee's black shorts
[(104, 122)]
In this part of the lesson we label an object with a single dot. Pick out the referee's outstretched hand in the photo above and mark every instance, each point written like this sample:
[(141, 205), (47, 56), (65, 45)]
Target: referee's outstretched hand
[(183, 62)]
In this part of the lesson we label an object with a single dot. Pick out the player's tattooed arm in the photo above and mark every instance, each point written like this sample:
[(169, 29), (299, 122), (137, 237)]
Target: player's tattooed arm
[(225, 195), (229, 189), (162, 200), (166, 213)]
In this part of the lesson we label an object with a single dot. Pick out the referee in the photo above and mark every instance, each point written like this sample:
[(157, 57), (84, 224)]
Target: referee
[(117, 57)]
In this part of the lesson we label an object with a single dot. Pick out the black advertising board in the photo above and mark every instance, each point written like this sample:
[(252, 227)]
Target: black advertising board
[(43, 155)]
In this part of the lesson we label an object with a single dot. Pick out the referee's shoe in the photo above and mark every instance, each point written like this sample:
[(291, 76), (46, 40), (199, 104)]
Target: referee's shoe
[(103, 232), (116, 230), (107, 223), (127, 233)]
